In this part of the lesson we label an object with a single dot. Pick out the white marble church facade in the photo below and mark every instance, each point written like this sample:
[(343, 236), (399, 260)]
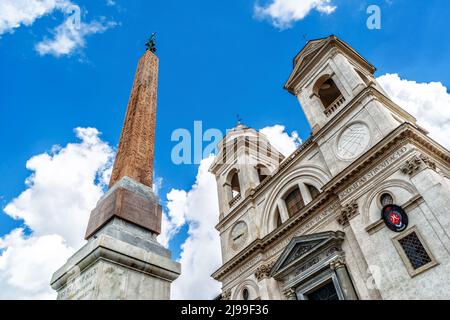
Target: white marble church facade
[(310, 226)]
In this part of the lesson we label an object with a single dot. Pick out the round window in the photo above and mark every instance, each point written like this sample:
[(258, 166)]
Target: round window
[(386, 199)]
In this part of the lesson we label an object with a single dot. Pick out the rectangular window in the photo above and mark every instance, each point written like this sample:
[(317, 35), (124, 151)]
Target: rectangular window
[(414, 252)]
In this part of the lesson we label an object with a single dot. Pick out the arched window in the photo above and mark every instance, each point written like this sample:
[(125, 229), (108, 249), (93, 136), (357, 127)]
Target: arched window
[(235, 185), (313, 191), (328, 92), (294, 202), (263, 172), (245, 294)]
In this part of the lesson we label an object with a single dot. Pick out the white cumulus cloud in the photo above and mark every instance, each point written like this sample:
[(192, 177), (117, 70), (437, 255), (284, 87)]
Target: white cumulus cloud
[(281, 140), (200, 255), (68, 37), (27, 263), (174, 218), (283, 13), (64, 187), (14, 13), (429, 102)]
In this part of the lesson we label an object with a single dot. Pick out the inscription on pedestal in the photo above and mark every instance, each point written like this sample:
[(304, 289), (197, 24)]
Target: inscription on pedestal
[(80, 287)]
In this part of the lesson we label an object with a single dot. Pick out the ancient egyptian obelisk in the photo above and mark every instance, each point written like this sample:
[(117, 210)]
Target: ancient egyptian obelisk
[(122, 259)]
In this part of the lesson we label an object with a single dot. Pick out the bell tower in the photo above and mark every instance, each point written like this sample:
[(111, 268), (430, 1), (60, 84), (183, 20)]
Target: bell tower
[(244, 161), (347, 109)]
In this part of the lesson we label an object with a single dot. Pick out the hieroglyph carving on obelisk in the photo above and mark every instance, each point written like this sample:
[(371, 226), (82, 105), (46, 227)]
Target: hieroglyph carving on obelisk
[(136, 147)]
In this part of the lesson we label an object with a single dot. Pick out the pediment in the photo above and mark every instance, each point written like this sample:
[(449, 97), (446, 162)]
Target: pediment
[(302, 248), (308, 53), (316, 48), (302, 59), (299, 250)]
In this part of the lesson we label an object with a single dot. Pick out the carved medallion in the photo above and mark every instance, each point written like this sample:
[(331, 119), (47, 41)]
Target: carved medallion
[(395, 218), (353, 141)]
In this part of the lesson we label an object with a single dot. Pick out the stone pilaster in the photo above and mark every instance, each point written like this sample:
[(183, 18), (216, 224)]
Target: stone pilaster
[(338, 265), (268, 287)]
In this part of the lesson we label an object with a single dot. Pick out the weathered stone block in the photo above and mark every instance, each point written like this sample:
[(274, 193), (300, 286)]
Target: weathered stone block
[(130, 201)]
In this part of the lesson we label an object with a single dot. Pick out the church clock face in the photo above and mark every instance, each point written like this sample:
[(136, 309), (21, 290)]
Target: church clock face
[(353, 141), (239, 235)]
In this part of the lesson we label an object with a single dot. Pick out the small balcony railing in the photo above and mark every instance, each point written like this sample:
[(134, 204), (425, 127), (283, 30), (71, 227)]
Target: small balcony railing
[(235, 200), (334, 106)]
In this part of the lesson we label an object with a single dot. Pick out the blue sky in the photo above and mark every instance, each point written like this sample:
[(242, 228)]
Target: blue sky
[(217, 60)]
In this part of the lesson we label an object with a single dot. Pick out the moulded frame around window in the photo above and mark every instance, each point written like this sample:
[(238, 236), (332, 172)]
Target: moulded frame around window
[(409, 267)]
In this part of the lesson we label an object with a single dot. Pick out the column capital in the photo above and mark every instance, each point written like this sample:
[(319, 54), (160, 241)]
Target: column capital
[(226, 295), (290, 294), (263, 270), (347, 213), (337, 263), (416, 163)]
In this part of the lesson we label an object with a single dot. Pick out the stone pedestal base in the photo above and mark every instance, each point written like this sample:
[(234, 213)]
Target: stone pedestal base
[(107, 268)]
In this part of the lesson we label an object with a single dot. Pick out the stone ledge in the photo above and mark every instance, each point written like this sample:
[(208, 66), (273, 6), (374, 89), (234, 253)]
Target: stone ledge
[(133, 234), (107, 248)]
